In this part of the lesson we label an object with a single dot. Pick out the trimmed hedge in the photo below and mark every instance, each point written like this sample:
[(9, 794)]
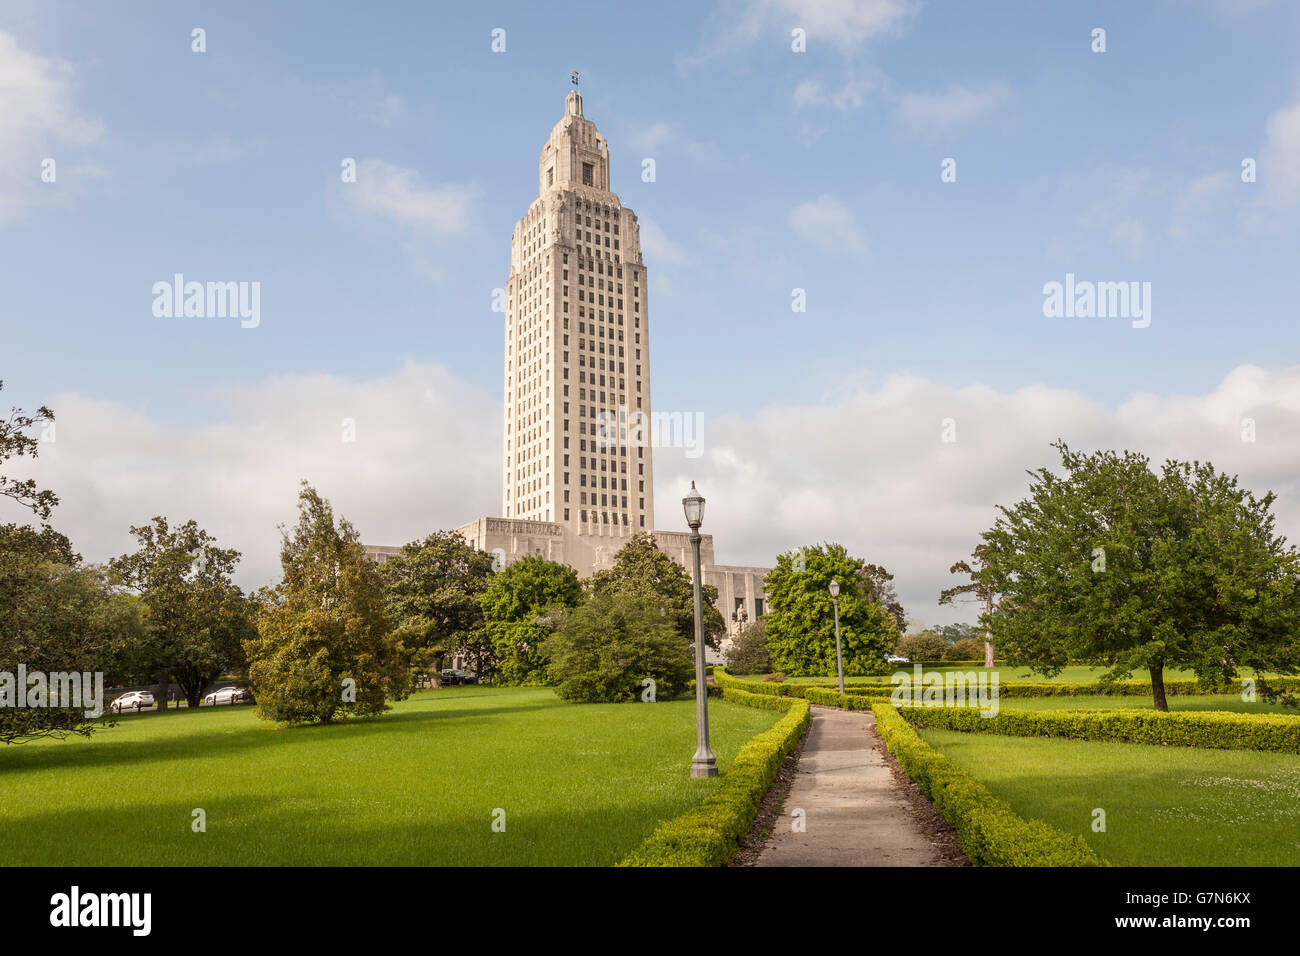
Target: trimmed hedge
[(710, 834), (991, 833), (1124, 688), (1217, 730)]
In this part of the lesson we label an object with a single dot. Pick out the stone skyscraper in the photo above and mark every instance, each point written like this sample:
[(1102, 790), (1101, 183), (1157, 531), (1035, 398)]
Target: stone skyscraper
[(577, 361), (576, 346)]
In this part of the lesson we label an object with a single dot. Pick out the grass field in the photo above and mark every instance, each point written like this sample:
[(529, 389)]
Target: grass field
[(580, 784), (1165, 806)]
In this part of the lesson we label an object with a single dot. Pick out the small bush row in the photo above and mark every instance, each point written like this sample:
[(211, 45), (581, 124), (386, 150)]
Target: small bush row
[(991, 833), (1218, 730), (710, 834), (1124, 688)]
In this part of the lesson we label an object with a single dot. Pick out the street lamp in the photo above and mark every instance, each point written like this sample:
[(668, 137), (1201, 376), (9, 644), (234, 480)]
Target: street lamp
[(703, 764), (839, 657)]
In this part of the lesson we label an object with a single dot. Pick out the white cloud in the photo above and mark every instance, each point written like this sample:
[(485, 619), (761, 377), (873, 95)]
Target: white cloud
[(827, 222), (851, 95), (426, 456), (940, 115), (1199, 204), (1279, 164), (870, 471), (38, 120), (1131, 236), (843, 24), (658, 247), (867, 469), (401, 195)]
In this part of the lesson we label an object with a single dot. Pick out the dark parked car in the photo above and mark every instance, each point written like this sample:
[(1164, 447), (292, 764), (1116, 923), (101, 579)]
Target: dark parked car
[(451, 677)]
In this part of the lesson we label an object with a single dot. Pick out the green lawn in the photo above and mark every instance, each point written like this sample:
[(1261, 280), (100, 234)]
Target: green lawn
[(580, 784), (1165, 806)]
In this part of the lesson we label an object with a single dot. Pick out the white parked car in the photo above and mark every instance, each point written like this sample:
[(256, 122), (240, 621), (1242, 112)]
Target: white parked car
[(227, 695), (136, 700)]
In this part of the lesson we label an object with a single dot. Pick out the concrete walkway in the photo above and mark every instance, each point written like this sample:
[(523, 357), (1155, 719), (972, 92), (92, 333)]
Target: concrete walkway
[(854, 814)]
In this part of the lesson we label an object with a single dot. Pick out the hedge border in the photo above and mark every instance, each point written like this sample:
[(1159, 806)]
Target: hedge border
[(991, 833), (1125, 688), (710, 834), (1276, 733)]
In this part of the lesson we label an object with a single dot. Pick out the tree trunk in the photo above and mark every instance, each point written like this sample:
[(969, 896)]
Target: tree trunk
[(163, 689), (988, 651), (1158, 686)]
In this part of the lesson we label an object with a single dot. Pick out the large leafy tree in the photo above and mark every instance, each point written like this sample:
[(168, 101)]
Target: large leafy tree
[(434, 591), (604, 650), (642, 570), (519, 608), (57, 615), (800, 621), (1115, 564), (975, 589), (323, 647), (195, 616)]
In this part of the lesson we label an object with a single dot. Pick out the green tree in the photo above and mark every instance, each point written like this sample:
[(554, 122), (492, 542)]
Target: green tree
[(518, 608), (323, 647), (195, 617), (748, 651), (976, 590), (964, 649), (800, 619), (15, 442), (605, 649), (434, 590), (58, 616), (923, 646), (642, 569), (878, 586), (1115, 565)]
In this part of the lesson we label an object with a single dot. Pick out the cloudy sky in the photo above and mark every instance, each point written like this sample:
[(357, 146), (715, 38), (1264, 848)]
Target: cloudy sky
[(777, 170)]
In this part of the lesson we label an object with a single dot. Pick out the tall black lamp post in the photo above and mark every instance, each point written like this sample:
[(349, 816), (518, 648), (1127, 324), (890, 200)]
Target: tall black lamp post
[(703, 764)]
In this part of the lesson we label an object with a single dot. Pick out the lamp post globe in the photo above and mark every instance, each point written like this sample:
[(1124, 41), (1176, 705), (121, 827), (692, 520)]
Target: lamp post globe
[(703, 764)]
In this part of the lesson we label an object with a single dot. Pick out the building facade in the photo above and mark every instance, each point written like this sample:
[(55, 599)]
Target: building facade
[(577, 470)]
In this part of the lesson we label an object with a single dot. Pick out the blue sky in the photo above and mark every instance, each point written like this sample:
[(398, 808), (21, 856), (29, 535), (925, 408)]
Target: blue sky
[(775, 170)]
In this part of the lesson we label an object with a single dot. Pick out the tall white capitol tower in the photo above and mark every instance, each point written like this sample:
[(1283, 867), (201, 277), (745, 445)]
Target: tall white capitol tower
[(577, 359), (576, 345)]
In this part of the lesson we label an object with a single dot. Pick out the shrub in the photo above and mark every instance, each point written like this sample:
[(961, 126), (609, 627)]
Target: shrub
[(518, 612), (723, 679), (710, 834), (966, 649), (603, 650), (1226, 731), (748, 652), (991, 833), (926, 646), (774, 678)]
